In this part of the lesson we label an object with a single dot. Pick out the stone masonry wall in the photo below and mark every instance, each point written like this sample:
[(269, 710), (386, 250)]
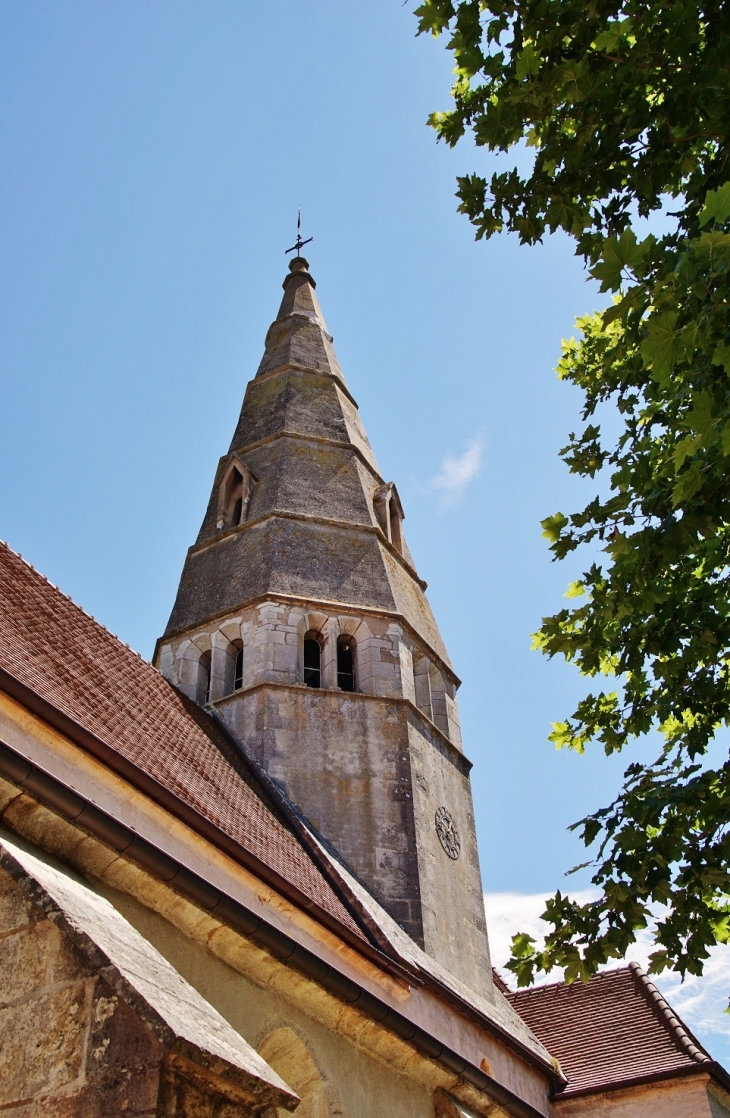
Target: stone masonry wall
[(344, 761), (691, 1097), (69, 1046)]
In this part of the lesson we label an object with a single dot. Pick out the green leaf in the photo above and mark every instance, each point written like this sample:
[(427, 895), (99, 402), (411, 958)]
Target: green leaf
[(700, 417), (609, 39), (552, 526), (660, 347), (563, 737), (618, 254), (685, 448), (688, 484), (721, 356), (522, 945), (717, 205), (528, 62)]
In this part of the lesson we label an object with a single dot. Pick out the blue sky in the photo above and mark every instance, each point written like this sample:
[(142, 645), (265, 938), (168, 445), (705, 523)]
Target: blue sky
[(154, 158)]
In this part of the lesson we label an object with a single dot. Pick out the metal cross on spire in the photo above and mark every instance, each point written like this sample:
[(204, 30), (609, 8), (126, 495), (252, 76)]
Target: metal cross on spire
[(300, 243)]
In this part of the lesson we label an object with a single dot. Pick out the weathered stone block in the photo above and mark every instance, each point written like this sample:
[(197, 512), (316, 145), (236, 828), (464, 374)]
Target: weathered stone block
[(42, 1041), (23, 963)]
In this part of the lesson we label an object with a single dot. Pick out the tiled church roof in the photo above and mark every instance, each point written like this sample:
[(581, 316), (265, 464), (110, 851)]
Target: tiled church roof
[(67, 658), (615, 1030)]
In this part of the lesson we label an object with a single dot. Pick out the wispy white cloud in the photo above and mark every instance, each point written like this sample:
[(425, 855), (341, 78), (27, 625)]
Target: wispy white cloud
[(457, 473), (699, 1001)]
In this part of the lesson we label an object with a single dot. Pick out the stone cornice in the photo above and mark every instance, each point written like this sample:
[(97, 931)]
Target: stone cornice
[(317, 440)]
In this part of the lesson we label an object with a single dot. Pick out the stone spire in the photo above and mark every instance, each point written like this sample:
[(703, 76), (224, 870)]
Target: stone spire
[(320, 521), (301, 618)]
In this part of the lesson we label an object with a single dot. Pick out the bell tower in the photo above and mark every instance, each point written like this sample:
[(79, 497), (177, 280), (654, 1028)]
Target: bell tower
[(301, 619)]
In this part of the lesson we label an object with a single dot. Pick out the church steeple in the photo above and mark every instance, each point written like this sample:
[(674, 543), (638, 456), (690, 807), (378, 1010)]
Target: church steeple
[(301, 618)]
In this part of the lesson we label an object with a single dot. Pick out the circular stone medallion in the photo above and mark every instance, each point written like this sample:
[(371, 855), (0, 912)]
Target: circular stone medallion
[(447, 833)]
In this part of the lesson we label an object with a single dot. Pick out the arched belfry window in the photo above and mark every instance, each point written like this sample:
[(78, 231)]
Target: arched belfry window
[(237, 653), (234, 494), (346, 664), (313, 660)]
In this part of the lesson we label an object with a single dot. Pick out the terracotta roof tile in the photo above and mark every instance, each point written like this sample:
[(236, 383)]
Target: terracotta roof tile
[(615, 1029), (67, 658)]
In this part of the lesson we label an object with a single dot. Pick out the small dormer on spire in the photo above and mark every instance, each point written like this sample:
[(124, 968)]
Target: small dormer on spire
[(389, 513), (235, 485)]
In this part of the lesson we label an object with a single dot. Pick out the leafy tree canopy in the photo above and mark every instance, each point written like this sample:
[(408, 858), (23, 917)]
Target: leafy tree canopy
[(627, 108)]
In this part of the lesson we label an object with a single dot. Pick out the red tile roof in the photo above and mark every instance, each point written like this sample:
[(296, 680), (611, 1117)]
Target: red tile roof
[(615, 1029), (68, 659)]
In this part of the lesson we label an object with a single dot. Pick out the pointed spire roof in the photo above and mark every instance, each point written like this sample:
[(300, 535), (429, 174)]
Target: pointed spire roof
[(293, 399), (299, 335), (299, 293), (312, 528)]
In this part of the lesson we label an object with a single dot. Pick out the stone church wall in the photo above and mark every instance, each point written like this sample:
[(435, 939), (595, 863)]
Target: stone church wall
[(334, 1078)]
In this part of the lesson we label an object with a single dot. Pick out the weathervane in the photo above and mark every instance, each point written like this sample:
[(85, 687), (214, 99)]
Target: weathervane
[(300, 243)]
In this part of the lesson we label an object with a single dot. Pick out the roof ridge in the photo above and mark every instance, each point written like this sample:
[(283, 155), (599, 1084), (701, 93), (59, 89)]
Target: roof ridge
[(686, 1041), (76, 605)]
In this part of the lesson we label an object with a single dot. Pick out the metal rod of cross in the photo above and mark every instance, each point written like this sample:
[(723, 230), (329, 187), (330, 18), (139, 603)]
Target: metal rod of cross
[(300, 243)]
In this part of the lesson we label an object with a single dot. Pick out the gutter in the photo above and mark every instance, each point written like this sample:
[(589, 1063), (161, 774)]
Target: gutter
[(58, 796)]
